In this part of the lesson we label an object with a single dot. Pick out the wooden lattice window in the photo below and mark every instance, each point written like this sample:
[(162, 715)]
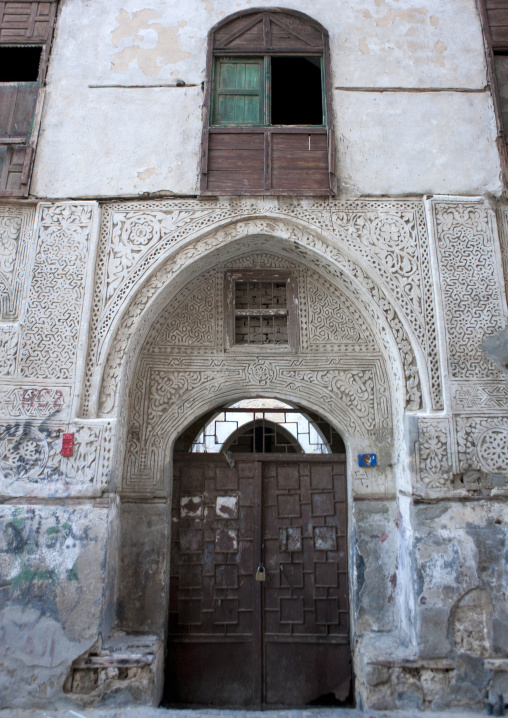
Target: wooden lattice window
[(268, 126), (26, 29), (262, 310)]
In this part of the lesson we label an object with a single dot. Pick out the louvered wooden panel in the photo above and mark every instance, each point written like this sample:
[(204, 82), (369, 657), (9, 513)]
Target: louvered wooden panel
[(23, 21), (17, 108), (497, 16)]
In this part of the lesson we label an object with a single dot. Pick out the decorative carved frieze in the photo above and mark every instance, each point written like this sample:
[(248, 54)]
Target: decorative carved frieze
[(54, 311), (472, 291), (29, 402), (168, 388), (484, 397), (16, 226), (328, 258)]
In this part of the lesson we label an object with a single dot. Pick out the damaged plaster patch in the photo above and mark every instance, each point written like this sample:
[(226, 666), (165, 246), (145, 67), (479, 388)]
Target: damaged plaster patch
[(364, 48), (146, 174), (145, 42), (395, 20)]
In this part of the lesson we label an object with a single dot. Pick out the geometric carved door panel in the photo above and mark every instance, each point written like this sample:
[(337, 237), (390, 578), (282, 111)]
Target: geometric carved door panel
[(235, 641)]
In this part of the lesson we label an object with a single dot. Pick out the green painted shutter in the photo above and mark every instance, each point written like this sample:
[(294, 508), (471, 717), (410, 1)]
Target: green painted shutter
[(239, 91)]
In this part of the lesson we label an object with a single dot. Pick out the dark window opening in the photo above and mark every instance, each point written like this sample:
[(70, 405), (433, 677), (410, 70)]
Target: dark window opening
[(263, 438), (19, 64), (297, 95)]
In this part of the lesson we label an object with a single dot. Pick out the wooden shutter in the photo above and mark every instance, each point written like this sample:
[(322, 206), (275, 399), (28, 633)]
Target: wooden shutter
[(239, 91), (242, 153), (22, 22), (497, 19), (26, 21)]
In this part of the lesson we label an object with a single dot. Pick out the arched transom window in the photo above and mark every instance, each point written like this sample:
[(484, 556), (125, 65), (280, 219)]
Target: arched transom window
[(268, 109)]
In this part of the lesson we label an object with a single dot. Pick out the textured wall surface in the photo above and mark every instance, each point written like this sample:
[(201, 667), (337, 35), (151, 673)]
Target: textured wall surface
[(124, 55), (114, 331)]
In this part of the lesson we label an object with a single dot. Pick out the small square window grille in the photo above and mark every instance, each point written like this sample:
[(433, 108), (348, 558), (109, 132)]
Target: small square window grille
[(261, 313), (262, 309)]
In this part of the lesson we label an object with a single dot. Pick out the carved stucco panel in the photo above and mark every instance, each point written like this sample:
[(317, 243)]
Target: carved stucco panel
[(9, 343), (434, 451), (54, 311), (472, 294), (16, 226), (486, 397)]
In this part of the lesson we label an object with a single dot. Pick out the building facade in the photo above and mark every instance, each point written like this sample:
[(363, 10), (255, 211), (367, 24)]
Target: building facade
[(293, 210)]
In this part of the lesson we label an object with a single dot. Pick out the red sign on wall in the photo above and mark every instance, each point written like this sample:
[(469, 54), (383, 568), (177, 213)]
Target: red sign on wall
[(67, 444)]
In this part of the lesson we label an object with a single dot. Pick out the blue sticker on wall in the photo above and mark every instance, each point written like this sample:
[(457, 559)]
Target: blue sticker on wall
[(367, 460)]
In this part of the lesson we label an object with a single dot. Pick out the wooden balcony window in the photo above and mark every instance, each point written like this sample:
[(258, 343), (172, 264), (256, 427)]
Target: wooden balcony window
[(268, 128)]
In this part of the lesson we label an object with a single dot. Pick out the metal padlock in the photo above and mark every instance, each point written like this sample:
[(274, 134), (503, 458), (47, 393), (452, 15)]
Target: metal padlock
[(261, 573)]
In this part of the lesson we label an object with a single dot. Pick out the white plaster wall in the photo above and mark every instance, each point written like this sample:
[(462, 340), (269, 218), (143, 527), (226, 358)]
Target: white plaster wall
[(133, 140), (416, 142)]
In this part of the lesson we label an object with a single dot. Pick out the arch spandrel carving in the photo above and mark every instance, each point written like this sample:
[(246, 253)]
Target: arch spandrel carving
[(173, 382), (316, 248)]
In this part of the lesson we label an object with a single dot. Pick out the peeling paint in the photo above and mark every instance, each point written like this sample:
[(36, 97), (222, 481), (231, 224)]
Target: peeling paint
[(150, 44)]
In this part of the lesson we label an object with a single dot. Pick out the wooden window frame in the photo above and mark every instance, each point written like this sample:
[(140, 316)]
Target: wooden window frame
[(20, 151), (233, 276), (268, 134)]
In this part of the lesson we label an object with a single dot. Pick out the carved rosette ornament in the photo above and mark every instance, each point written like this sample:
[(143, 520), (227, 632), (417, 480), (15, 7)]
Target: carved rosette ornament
[(483, 444), (492, 450)]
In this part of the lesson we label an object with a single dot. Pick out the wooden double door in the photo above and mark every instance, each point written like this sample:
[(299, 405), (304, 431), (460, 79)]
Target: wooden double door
[(235, 640)]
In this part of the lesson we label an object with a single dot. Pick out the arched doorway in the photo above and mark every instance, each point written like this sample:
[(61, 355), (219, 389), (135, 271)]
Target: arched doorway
[(259, 607)]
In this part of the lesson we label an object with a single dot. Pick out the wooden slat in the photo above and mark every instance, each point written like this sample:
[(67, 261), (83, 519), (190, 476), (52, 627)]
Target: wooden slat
[(235, 160), (233, 181), (498, 18), (268, 160), (297, 180), (283, 160), (300, 142), (233, 141), (496, 4), (499, 37)]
